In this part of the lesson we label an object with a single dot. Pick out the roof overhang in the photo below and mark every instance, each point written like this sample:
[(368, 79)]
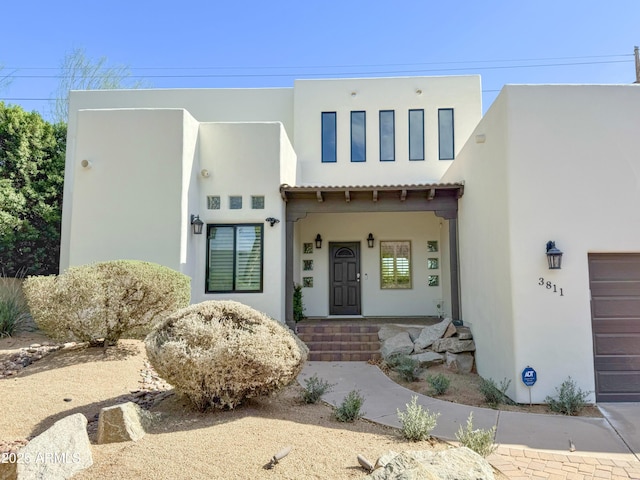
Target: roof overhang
[(441, 198)]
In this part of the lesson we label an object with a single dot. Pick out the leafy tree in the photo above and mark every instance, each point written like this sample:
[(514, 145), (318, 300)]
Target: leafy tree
[(79, 72), (32, 153)]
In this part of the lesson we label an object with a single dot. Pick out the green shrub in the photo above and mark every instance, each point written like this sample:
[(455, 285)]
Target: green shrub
[(404, 365), (218, 353), (105, 301), (493, 394), (349, 409), (478, 440), (570, 399), (298, 306), (417, 424), (439, 383), (314, 388), (14, 313)]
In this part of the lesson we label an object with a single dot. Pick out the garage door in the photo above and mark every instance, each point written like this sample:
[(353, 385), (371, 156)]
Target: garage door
[(615, 317)]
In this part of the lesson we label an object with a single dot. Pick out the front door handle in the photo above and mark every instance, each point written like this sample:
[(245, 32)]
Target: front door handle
[(358, 277)]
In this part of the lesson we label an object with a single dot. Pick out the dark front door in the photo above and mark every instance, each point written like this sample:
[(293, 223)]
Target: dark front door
[(344, 278)]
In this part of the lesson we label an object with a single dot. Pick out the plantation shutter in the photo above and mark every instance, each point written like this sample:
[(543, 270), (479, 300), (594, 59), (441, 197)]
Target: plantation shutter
[(221, 247), (248, 257)]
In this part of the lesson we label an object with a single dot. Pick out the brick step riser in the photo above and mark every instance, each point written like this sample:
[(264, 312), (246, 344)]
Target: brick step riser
[(322, 329), (341, 346), (344, 337), (343, 356)]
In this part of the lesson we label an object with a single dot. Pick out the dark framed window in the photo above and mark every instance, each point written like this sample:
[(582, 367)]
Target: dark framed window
[(416, 134), (445, 134), (234, 258), (358, 137), (328, 137), (387, 135)]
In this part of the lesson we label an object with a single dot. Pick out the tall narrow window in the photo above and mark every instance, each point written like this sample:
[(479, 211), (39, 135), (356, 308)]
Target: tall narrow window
[(416, 134), (395, 264), (328, 137), (358, 137), (445, 133), (234, 258), (387, 136)]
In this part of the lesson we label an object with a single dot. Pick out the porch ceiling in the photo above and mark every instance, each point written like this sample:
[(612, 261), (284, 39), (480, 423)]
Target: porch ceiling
[(441, 198)]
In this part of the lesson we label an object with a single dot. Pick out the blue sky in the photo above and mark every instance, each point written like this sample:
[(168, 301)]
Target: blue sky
[(212, 43)]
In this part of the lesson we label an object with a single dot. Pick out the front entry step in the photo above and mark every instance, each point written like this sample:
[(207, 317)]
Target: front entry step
[(329, 342)]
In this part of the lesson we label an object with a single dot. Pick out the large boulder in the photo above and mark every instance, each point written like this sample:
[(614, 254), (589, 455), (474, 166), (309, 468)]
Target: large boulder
[(218, 353), (453, 345), (431, 333), (460, 362), (428, 359), (399, 344), (122, 423), (58, 453), (452, 464)]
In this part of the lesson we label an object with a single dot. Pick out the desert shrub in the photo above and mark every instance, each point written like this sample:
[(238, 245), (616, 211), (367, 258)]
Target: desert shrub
[(298, 305), (478, 440), (494, 394), (349, 409), (570, 399), (404, 365), (314, 388), (218, 353), (14, 313), (417, 423), (439, 383), (106, 300)]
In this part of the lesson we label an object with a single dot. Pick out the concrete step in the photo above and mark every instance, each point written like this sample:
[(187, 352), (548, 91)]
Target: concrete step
[(342, 346), (338, 337)]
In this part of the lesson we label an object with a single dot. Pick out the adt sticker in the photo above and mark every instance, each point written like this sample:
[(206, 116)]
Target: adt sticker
[(529, 376)]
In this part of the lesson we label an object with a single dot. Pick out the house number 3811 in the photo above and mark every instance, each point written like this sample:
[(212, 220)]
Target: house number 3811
[(550, 286)]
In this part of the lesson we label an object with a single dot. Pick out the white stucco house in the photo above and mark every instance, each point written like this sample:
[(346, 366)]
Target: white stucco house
[(384, 197)]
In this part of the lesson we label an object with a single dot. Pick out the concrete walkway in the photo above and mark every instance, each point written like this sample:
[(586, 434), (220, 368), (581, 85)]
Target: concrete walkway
[(531, 445)]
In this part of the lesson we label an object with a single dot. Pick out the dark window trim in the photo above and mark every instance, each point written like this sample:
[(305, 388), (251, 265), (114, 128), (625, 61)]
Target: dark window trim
[(364, 117), (235, 225), (393, 136), (453, 135), (423, 135), (335, 135)]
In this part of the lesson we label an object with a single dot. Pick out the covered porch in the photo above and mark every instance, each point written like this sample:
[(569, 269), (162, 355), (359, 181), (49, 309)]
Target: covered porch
[(370, 252)]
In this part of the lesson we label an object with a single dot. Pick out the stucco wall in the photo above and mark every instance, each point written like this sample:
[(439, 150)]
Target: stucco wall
[(312, 97), (351, 227), (244, 159), (129, 204), (484, 247), (559, 163)]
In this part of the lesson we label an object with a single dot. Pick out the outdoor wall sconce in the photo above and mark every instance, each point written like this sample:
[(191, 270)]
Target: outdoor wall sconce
[(318, 241), (197, 224), (370, 240), (554, 256), (272, 221)]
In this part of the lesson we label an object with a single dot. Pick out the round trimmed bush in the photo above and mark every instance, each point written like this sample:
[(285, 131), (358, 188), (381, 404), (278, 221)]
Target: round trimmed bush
[(218, 353), (106, 300)]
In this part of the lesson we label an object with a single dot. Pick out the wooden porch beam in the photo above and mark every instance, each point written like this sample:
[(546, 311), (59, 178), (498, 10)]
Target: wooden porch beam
[(375, 195), (347, 196), (319, 196), (403, 194), (431, 194)]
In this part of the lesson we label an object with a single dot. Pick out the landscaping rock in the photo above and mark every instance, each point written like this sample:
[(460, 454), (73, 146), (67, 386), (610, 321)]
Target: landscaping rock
[(451, 331), (460, 362), (388, 331), (58, 453), (399, 344), (464, 333), (428, 358), (385, 458), (431, 333), (453, 464), (121, 423), (453, 345)]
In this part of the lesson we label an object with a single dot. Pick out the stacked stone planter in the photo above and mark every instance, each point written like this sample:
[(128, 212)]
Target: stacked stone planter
[(439, 343)]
